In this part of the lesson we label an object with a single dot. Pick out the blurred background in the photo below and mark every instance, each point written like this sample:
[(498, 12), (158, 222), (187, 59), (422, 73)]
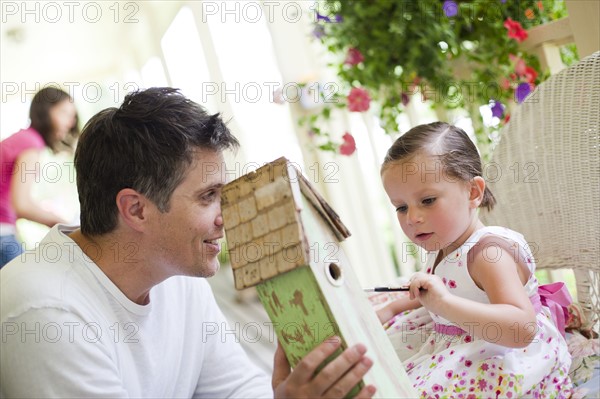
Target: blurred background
[(253, 61), (229, 57)]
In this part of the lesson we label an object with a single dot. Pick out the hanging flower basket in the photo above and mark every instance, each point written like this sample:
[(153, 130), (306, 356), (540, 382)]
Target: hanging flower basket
[(454, 54)]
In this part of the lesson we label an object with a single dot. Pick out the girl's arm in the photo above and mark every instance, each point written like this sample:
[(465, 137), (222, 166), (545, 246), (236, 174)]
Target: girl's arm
[(508, 320), (397, 306), (26, 174)]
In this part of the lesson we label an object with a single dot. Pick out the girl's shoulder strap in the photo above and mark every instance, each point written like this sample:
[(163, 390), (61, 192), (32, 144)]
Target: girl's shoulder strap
[(497, 231), (506, 234), (522, 249)]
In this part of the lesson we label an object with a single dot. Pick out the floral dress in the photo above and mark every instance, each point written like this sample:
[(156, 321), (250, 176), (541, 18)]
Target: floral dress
[(444, 361)]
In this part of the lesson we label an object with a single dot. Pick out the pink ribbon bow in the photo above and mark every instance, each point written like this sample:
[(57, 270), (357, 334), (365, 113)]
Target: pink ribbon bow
[(557, 299)]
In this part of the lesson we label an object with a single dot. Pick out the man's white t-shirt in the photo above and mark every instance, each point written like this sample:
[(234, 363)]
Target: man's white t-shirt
[(68, 331)]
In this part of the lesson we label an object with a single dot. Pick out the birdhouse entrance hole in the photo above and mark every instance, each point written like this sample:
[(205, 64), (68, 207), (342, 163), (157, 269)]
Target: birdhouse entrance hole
[(334, 274)]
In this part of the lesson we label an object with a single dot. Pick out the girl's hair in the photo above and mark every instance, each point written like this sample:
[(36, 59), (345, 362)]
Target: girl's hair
[(39, 113), (450, 144)]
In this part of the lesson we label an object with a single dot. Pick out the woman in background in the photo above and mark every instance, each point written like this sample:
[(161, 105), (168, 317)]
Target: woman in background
[(53, 125)]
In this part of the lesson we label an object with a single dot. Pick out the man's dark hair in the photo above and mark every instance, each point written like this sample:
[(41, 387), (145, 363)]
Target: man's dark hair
[(147, 145)]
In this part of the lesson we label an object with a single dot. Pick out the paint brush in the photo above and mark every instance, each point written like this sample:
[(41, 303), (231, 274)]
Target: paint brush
[(386, 289)]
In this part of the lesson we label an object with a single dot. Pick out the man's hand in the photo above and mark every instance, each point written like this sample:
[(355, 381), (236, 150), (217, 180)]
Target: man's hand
[(334, 381)]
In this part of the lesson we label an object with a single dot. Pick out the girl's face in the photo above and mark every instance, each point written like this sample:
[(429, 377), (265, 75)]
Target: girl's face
[(435, 211), (62, 115)]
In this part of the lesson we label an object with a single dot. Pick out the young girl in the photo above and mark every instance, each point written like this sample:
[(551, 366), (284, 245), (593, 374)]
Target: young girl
[(472, 325)]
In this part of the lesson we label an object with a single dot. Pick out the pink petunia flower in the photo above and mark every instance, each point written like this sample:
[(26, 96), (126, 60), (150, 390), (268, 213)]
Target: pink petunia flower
[(520, 67), (358, 100), (530, 74), (354, 57), (349, 145), (515, 30)]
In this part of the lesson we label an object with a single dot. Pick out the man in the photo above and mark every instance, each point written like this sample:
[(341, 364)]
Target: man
[(112, 309)]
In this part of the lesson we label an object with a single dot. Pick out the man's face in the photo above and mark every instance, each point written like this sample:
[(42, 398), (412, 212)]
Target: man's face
[(186, 237)]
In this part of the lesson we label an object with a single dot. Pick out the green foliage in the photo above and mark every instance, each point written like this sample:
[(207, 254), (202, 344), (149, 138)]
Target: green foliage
[(568, 54), (455, 53)]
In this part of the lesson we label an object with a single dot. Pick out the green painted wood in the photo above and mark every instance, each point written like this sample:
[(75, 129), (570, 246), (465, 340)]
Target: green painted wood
[(311, 303), (300, 315), (354, 315)]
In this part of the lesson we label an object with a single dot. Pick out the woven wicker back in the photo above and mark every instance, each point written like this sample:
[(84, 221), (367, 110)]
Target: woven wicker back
[(545, 174)]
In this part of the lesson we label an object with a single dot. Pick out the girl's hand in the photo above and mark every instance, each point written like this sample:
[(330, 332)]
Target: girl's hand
[(429, 290), (395, 307)]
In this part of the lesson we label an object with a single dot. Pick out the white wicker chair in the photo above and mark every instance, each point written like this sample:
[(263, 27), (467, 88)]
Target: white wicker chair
[(545, 174)]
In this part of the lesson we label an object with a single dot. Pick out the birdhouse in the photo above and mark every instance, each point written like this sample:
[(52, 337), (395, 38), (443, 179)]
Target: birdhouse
[(284, 239)]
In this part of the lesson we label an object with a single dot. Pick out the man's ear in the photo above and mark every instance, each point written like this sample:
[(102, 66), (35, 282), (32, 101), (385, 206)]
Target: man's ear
[(133, 208), (477, 190)]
